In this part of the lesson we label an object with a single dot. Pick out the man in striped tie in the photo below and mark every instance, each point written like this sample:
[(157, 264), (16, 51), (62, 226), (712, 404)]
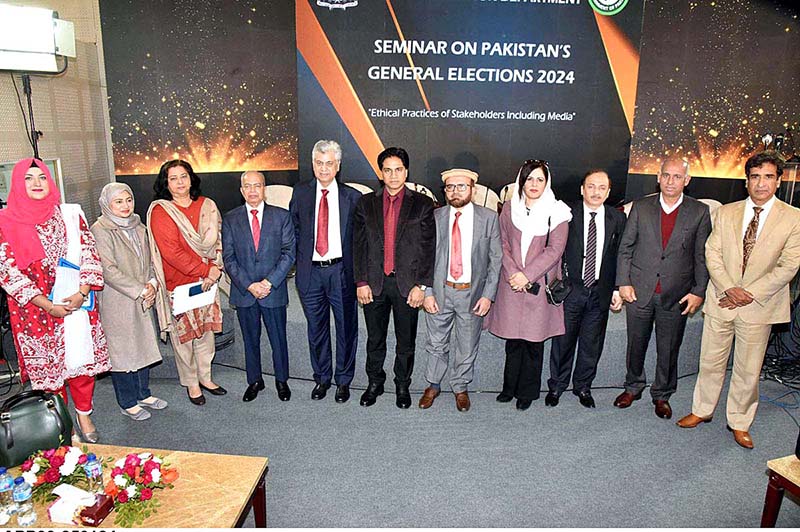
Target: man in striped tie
[(465, 276), (591, 264)]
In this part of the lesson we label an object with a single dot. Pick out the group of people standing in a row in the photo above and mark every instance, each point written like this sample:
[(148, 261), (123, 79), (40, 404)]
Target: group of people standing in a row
[(392, 252)]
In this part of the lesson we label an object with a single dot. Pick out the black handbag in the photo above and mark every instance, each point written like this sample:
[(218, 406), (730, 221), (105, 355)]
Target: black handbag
[(32, 421), (558, 289)]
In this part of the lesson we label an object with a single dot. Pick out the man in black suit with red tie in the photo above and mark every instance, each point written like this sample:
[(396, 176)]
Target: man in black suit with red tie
[(591, 263), (394, 243)]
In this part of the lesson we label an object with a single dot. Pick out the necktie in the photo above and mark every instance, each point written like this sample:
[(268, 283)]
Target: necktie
[(750, 237), (256, 227), (456, 267), (322, 225), (389, 227), (591, 253)]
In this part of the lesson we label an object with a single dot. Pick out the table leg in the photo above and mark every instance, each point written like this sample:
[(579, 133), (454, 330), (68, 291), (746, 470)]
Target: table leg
[(772, 502), (259, 501)]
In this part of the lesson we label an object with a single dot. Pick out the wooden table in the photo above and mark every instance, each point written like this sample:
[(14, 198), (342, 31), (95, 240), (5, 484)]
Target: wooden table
[(212, 490), (784, 474)]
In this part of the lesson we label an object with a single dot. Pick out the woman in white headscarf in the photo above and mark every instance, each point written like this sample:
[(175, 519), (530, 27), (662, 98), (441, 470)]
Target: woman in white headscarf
[(125, 303), (533, 231)]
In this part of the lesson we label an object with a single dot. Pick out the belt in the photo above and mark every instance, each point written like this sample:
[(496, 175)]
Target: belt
[(458, 286), (326, 263)]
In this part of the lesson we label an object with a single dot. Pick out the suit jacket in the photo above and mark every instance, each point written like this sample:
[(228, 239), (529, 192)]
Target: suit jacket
[(681, 267), (415, 242), (772, 265), (486, 255), (614, 225), (302, 208), (273, 260)]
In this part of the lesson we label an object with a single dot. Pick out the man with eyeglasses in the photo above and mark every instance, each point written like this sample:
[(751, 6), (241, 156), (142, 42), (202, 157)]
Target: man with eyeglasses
[(465, 277), (753, 254), (322, 211), (258, 250), (394, 239), (662, 278)]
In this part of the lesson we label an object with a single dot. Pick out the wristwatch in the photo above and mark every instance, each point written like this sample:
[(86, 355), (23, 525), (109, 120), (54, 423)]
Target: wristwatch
[(422, 287)]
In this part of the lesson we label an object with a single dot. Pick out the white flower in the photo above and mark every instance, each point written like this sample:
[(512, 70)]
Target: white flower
[(73, 454), (30, 477), (157, 460), (35, 468), (120, 481), (156, 474), (120, 463), (145, 456), (132, 491), (67, 469)]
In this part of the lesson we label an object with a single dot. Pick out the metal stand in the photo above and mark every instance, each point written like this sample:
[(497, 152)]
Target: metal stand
[(26, 88)]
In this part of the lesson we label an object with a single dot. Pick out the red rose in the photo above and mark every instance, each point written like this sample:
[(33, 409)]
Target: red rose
[(122, 496), (49, 453), (147, 478), (57, 461), (130, 471), (27, 465), (132, 460), (116, 471), (150, 465), (52, 475), (82, 459), (146, 494)]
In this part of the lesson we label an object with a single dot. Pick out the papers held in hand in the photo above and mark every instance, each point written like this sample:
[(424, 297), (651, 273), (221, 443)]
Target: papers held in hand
[(190, 296), (68, 282)]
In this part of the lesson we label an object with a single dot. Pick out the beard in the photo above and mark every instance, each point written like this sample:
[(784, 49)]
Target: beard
[(459, 202)]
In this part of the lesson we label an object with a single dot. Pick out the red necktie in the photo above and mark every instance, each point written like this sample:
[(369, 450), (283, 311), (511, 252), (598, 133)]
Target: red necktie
[(456, 268), (322, 225), (256, 228), (389, 228)]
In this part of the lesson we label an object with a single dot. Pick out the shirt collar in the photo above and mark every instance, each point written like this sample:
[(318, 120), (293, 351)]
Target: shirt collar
[(333, 188), (601, 210), (466, 210), (260, 208), (667, 209), (399, 195), (767, 206)]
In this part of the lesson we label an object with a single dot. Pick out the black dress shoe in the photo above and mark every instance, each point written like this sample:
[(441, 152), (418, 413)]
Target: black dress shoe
[(403, 397), (252, 390), (524, 404), (219, 390), (371, 394), (586, 399), (199, 401), (551, 399), (284, 393), (320, 390), (504, 398), (342, 393)]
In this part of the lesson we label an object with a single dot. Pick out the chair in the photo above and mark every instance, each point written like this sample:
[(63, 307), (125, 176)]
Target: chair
[(485, 197), (713, 205), (422, 189), (278, 195), (364, 189), (507, 191)]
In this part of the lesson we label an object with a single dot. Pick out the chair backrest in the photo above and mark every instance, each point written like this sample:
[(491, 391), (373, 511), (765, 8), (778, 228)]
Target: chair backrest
[(278, 195), (364, 189), (485, 197), (422, 189), (507, 191), (713, 205)]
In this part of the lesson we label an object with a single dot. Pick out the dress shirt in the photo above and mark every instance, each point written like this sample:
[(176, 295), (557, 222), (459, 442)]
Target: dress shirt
[(668, 209), (260, 215), (334, 231), (749, 213), (600, 224), (389, 242), (465, 225)]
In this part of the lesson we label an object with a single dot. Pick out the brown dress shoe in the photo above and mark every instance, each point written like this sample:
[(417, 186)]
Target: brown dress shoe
[(691, 421), (742, 437), (430, 393), (663, 410), (625, 399), (462, 401)]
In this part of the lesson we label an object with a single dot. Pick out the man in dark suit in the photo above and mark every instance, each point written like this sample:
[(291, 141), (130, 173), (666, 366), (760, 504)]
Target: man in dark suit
[(394, 240), (591, 263), (662, 276), (258, 251), (322, 212)]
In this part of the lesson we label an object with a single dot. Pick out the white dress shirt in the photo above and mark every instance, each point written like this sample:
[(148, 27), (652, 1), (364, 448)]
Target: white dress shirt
[(600, 224), (260, 216), (465, 225), (666, 208), (749, 213), (334, 231)]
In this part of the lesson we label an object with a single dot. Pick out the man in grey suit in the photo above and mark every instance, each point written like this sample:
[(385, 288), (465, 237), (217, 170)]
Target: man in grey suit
[(662, 276), (466, 272)]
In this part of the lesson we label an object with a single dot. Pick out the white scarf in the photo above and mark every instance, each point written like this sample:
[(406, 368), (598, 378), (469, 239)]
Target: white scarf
[(534, 222), (78, 347)]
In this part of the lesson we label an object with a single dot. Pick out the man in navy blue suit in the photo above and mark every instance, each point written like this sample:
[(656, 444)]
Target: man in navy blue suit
[(322, 212), (258, 251)]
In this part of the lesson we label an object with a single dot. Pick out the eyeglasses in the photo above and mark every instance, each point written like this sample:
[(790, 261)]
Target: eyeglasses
[(253, 186), (461, 187), (325, 164)]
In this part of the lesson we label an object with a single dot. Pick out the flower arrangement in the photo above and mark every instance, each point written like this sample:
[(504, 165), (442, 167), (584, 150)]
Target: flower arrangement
[(45, 470), (133, 480)]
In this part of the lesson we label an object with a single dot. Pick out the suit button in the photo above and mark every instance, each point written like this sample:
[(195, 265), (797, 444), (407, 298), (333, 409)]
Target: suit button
[(662, 257)]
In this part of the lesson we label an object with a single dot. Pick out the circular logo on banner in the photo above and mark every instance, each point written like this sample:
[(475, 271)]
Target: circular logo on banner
[(608, 7)]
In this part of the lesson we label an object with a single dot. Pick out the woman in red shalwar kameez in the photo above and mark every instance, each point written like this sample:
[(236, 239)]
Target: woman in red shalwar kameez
[(33, 237)]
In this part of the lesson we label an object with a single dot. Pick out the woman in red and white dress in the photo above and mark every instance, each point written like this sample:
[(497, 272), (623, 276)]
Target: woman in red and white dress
[(58, 344)]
